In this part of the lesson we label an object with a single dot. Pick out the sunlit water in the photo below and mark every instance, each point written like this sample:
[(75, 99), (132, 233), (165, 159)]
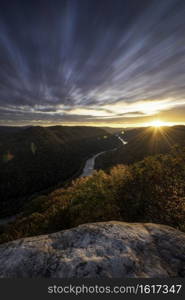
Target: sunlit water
[(90, 163), (88, 170)]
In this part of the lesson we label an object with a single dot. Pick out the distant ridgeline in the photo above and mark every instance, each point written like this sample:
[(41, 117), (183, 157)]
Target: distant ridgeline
[(143, 142), (36, 158)]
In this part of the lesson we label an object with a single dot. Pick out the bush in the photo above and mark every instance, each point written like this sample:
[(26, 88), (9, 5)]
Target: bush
[(152, 190)]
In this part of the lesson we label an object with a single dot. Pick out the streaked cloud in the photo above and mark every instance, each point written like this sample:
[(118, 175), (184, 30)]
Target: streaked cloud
[(75, 62)]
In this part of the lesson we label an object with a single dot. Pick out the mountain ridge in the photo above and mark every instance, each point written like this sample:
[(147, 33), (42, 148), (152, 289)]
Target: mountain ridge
[(36, 158)]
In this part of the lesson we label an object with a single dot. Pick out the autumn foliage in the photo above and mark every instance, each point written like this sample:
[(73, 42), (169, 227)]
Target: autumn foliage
[(151, 190)]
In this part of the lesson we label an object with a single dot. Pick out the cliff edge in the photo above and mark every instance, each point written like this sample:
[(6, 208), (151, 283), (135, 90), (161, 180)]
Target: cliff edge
[(98, 250)]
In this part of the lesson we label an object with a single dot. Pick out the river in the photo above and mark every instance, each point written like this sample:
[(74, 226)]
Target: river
[(90, 163), (7, 220), (87, 170)]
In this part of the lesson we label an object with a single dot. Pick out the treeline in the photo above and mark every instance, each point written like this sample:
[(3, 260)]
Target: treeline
[(35, 158), (143, 142), (151, 190)]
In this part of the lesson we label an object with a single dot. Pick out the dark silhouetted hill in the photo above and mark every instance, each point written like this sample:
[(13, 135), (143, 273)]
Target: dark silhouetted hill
[(36, 158), (151, 190), (143, 142)]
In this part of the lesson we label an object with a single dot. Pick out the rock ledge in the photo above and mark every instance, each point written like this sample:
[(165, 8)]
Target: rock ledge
[(98, 250)]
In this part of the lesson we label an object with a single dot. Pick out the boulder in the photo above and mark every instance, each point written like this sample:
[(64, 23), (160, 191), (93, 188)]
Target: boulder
[(98, 250)]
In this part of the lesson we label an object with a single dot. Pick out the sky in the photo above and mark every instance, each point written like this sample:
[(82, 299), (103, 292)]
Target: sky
[(87, 62)]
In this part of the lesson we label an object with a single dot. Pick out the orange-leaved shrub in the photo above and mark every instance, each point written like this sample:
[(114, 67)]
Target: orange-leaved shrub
[(152, 190)]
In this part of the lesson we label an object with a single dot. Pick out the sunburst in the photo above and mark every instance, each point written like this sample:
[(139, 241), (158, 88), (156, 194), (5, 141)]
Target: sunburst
[(158, 123)]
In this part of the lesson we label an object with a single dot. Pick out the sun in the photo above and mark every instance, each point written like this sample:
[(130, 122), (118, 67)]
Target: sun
[(157, 123)]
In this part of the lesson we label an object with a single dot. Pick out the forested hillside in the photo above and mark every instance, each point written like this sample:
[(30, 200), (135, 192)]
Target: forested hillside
[(151, 190), (36, 158), (143, 142)]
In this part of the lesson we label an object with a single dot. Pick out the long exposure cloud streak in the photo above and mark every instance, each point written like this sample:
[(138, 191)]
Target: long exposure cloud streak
[(91, 61)]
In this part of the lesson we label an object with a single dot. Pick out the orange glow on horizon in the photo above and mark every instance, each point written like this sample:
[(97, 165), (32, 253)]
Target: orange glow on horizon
[(158, 123)]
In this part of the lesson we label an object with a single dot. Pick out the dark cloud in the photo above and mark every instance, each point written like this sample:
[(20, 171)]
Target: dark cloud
[(65, 60)]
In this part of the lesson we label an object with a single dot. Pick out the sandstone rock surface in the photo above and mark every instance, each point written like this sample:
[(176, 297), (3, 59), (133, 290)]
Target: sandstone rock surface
[(98, 250)]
